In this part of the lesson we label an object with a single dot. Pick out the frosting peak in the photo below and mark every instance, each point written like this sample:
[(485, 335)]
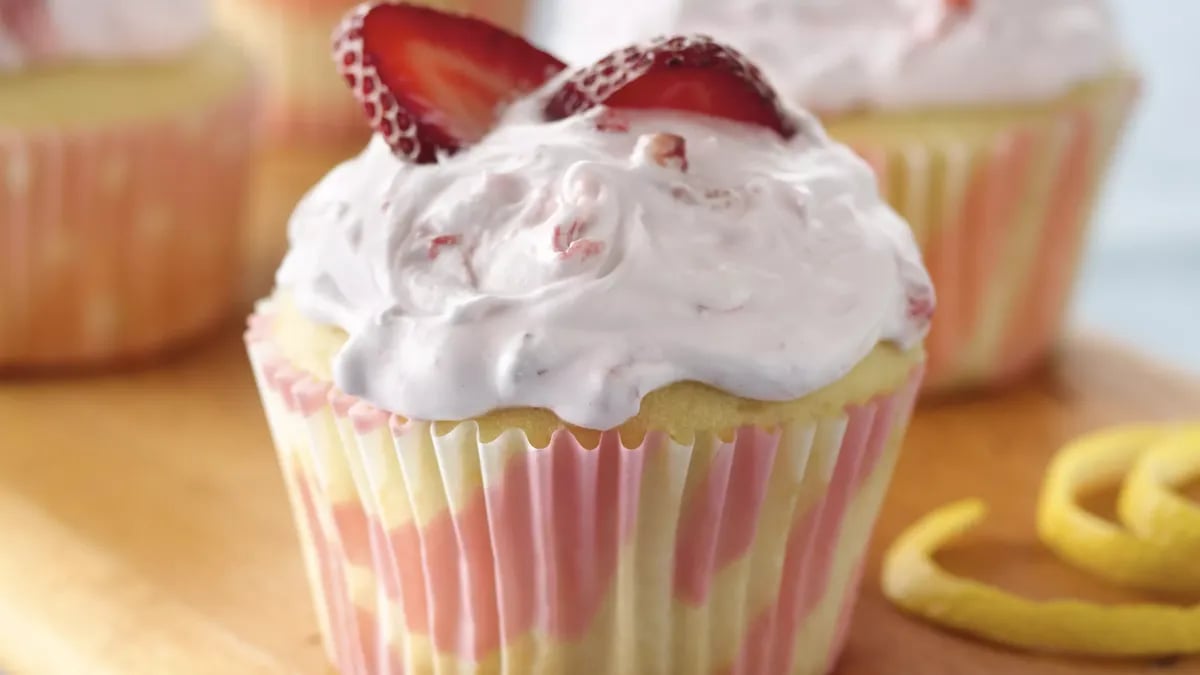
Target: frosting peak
[(39, 31), (836, 55), (578, 265)]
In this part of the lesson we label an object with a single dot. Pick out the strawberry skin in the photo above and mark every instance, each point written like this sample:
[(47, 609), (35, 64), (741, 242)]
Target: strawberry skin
[(691, 74), (431, 82)]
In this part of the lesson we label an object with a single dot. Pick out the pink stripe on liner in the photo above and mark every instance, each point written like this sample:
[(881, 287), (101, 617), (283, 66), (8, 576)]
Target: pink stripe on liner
[(582, 528), (365, 545), (841, 634), (341, 403), (259, 327), (354, 530), (270, 366), (312, 395), (900, 410), (381, 659), (1036, 322), (387, 570), (559, 511), (768, 645), (367, 418), (342, 620), (881, 430), (718, 526), (286, 378), (963, 255)]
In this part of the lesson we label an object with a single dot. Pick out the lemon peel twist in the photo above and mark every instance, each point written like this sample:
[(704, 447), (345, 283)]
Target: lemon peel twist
[(913, 581), (1158, 552), (1149, 507)]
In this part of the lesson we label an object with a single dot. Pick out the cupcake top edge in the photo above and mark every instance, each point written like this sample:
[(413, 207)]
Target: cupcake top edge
[(614, 231), (38, 32), (837, 56)]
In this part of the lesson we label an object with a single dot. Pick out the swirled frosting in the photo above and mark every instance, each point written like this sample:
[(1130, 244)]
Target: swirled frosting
[(40, 31), (578, 265), (838, 55)]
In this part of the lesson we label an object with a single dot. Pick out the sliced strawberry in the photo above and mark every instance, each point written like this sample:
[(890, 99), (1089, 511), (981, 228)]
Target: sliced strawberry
[(693, 74), (432, 82)]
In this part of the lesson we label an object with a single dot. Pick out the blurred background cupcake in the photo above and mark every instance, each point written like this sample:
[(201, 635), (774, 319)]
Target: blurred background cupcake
[(612, 382), (309, 121), (990, 123), (306, 102), (125, 133)]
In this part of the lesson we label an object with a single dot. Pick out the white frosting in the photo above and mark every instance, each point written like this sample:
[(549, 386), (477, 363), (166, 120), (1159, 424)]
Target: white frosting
[(835, 55), (38, 31), (768, 268)]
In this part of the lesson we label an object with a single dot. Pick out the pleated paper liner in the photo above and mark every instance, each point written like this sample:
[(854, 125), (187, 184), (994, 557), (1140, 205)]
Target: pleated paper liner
[(1000, 204), (307, 103), (119, 241), (442, 553)]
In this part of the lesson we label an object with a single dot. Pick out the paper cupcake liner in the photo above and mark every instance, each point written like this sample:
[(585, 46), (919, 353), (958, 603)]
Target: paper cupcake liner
[(1001, 217), (307, 102), (120, 240), (434, 551)]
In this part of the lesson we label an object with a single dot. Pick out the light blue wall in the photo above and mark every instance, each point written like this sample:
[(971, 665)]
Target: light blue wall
[(1142, 274)]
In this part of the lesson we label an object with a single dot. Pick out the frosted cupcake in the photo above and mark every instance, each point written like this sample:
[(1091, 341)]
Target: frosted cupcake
[(991, 124), (612, 381), (306, 102), (124, 137)]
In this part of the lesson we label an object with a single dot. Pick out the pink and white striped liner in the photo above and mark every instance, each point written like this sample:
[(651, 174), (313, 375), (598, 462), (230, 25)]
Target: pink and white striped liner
[(119, 241), (443, 553), (1001, 217)]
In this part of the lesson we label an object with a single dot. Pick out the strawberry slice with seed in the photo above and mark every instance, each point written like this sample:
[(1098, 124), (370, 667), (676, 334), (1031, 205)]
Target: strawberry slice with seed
[(692, 74), (431, 82)]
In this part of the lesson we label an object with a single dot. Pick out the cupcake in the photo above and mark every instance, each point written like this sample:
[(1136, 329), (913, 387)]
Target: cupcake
[(990, 123), (124, 137), (596, 371), (306, 102)]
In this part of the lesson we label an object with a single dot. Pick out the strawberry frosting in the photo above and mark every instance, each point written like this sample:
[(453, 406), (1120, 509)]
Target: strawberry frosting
[(580, 264), (40, 31), (838, 55)]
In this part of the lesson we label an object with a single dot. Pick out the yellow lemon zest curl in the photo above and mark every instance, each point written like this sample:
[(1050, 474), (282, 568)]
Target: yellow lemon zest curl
[(918, 585), (1159, 550)]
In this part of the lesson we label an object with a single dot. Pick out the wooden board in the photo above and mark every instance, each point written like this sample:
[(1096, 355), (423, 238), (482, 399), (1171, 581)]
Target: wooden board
[(143, 526)]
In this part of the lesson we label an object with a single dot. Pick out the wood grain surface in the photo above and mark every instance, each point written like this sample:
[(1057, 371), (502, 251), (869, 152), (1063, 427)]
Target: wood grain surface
[(144, 530)]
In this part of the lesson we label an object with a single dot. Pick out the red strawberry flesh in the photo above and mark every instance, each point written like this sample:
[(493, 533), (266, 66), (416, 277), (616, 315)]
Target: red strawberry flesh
[(433, 82), (689, 74)]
